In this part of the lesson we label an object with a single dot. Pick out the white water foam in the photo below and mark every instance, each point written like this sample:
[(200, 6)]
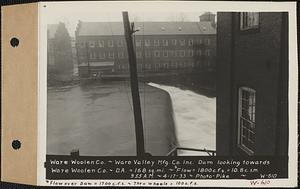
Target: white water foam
[(195, 117)]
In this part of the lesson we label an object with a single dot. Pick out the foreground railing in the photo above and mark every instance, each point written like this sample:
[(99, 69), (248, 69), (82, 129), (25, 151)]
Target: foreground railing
[(174, 151)]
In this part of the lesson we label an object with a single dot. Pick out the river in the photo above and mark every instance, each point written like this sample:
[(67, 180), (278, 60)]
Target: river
[(98, 119)]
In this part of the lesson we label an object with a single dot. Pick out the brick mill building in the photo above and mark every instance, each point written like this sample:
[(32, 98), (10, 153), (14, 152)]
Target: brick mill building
[(252, 84), (160, 47)]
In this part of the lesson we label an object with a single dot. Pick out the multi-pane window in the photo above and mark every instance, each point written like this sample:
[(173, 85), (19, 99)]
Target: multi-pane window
[(182, 42), (175, 65), (165, 42), (120, 43), (190, 42), (182, 53), (147, 43), (92, 44), (249, 20), (165, 53), (191, 53), (101, 43), (82, 44), (111, 55), (156, 53), (200, 41), (121, 54), (139, 54), (101, 55), (167, 65), (192, 64), (207, 41), (171, 53), (174, 42), (138, 43), (156, 42), (199, 52), (246, 120), (110, 43), (207, 52), (93, 55), (147, 54)]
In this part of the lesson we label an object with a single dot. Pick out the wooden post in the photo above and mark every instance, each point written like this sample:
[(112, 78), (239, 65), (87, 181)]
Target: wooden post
[(139, 133)]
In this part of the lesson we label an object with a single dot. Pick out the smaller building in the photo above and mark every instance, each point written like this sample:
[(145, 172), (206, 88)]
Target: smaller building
[(95, 69)]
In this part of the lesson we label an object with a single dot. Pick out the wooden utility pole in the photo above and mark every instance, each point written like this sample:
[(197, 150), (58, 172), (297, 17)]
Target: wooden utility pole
[(139, 133)]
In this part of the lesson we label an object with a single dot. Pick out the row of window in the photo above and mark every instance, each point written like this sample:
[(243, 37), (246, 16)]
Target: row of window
[(155, 53), (173, 65), (147, 42)]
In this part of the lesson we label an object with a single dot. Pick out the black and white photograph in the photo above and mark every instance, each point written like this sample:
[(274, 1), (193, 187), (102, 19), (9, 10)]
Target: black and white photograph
[(161, 89), (149, 94), (168, 87), (95, 105)]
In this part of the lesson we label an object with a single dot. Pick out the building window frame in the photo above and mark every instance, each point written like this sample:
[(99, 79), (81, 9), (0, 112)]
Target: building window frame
[(156, 42), (147, 42), (121, 54), (199, 52), (182, 53), (207, 52), (92, 44), (120, 43), (138, 54), (110, 43), (156, 53), (246, 119), (111, 55), (138, 43), (92, 55), (101, 55), (165, 42), (191, 53), (174, 42), (147, 54), (191, 42), (182, 42), (101, 43), (249, 21), (207, 41), (81, 45), (165, 53)]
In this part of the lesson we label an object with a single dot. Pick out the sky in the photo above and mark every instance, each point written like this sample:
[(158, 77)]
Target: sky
[(103, 12)]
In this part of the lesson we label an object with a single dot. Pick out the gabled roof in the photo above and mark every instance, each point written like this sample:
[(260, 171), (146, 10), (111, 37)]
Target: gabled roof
[(145, 28), (52, 28)]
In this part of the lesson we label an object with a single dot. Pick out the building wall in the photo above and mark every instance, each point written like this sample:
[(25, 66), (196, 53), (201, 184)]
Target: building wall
[(224, 85), (152, 57), (253, 59)]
